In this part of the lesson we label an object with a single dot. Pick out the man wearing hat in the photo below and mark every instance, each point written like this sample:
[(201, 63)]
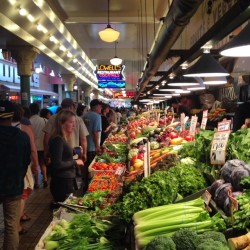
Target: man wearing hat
[(80, 131), (15, 153), (93, 122)]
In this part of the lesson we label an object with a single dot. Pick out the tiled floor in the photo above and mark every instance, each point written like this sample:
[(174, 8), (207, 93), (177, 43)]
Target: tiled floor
[(38, 208)]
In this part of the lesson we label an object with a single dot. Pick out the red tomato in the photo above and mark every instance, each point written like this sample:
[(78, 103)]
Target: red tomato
[(132, 135), (173, 135), (140, 156), (189, 138)]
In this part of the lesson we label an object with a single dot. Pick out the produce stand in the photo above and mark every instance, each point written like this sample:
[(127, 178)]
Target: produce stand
[(163, 163)]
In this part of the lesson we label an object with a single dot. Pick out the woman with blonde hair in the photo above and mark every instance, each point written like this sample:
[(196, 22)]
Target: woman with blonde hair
[(63, 166)]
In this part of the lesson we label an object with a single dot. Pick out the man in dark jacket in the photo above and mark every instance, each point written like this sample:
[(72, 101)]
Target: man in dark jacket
[(15, 158)]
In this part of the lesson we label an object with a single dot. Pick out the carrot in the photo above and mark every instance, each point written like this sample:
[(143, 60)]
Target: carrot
[(158, 158), (153, 165), (155, 152)]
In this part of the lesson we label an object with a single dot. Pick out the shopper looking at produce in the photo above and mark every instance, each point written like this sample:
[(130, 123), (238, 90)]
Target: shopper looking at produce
[(15, 157), (63, 172), (106, 125), (180, 108), (93, 122), (78, 137)]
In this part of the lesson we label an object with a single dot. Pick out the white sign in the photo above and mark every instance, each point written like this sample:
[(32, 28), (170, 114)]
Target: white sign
[(218, 148), (192, 129), (224, 125), (204, 119)]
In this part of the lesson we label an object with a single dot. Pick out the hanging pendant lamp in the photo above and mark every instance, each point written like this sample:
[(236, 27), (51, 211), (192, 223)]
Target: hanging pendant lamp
[(206, 66), (239, 46), (109, 34), (115, 60)]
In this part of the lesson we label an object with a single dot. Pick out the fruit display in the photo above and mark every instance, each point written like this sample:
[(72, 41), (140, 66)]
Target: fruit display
[(104, 180), (107, 166)]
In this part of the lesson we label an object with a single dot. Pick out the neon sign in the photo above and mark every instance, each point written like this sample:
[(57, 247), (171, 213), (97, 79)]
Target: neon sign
[(110, 76)]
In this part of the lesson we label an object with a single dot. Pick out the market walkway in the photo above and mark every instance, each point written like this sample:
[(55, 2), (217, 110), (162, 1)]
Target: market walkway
[(38, 208)]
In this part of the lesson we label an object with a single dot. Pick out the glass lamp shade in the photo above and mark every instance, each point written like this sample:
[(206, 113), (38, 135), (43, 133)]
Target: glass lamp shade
[(116, 61), (239, 46), (109, 35), (206, 66)]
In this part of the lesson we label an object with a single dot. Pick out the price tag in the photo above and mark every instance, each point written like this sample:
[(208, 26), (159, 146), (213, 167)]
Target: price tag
[(192, 129), (204, 123), (205, 113), (206, 197), (172, 111), (119, 171), (218, 148), (224, 125), (182, 122), (204, 119)]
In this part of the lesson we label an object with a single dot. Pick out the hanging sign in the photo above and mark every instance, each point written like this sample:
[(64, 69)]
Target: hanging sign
[(204, 119), (110, 76)]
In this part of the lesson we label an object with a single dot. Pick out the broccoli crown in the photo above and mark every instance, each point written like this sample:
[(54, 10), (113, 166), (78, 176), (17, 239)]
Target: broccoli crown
[(185, 238), (161, 243), (210, 244), (216, 236)]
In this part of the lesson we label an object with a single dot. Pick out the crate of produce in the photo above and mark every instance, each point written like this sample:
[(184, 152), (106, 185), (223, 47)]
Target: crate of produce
[(104, 180), (102, 166)]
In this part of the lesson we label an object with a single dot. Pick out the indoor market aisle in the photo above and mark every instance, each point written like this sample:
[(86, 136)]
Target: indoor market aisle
[(38, 208)]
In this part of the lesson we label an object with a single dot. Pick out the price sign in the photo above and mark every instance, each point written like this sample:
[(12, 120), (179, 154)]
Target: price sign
[(224, 125), (204, 119), (192, 129), (182, 122), (172, 111), (119, 171), (218, 148)]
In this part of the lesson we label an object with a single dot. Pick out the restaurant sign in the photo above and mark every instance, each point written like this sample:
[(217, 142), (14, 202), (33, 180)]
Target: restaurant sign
[(110, 76)]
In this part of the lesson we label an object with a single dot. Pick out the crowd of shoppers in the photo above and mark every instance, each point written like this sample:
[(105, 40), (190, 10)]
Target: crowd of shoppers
[(35, 139)]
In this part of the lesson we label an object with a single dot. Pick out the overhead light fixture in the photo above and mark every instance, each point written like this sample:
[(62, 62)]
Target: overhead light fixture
[(239, 46), (171, 76), (215, 80), (115, 60), (23, 12), (206, 66), (180, 81), (196, 88), (109, 34)]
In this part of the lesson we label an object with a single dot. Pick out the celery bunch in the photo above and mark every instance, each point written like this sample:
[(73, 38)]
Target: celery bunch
[(165, 220)]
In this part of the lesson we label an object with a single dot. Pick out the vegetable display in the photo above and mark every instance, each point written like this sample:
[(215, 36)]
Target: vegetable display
[(82, 232), (190, 179), (166, 220), (158, 189)]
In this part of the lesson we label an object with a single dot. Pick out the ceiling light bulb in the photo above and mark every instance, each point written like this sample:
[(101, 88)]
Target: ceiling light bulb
[(30, 18), (109, 35), (23, 12), (116, 61)]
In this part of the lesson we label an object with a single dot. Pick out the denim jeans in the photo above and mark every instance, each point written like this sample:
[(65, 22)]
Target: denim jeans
[(11, 212)]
